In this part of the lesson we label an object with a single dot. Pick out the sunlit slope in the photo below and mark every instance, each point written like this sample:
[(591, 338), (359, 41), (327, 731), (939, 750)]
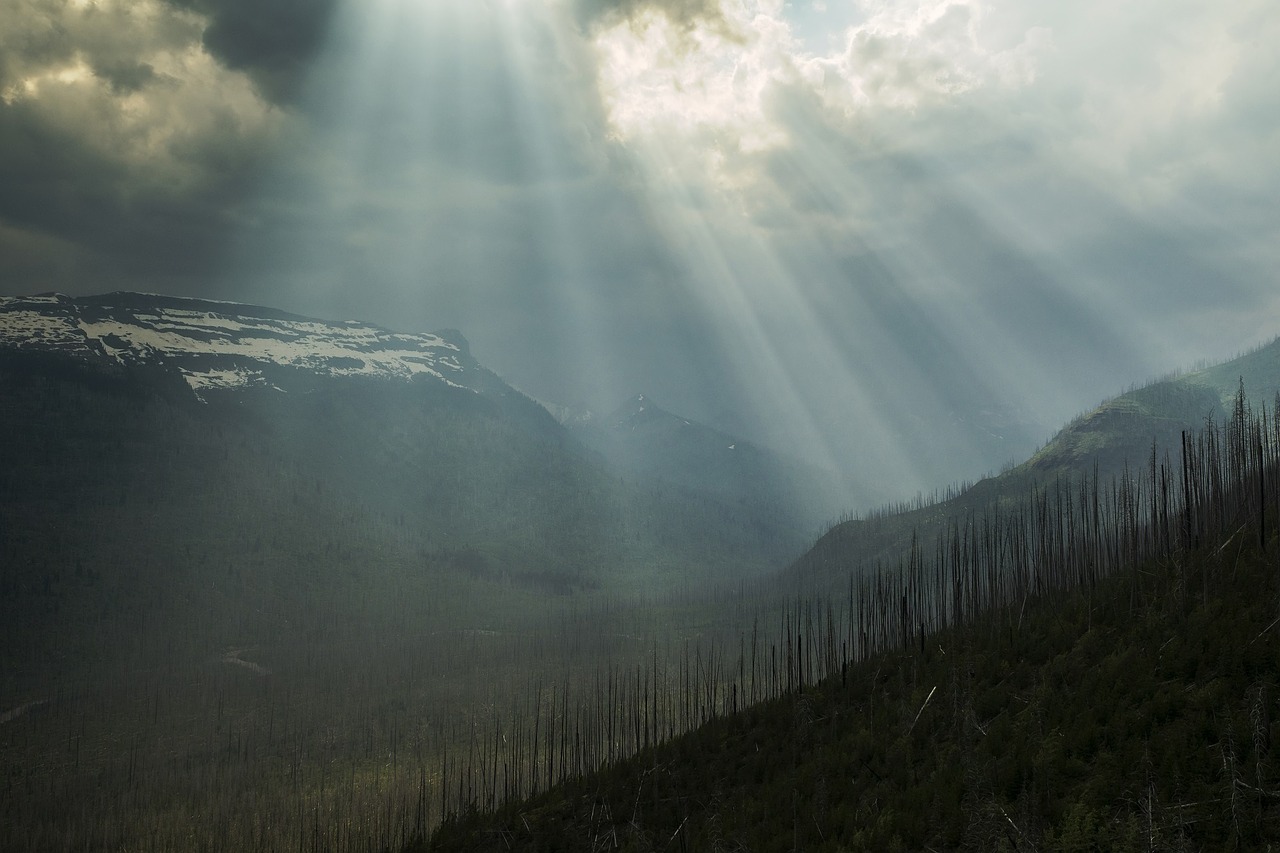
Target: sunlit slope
[(1121, 431), (1125, 428)]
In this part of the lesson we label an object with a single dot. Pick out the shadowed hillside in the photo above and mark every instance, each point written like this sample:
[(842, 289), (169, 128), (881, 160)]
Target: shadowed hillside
[(240, 548), (1104, 681)]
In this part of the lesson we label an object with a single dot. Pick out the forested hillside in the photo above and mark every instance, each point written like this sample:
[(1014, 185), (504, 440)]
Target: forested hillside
[(1107, 722), (1097, 668), (328, 618), (1121, 435), (126, 504), (207, 605)]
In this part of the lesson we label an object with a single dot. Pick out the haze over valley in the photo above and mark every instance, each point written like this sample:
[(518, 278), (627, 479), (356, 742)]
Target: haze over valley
[(622, 424)]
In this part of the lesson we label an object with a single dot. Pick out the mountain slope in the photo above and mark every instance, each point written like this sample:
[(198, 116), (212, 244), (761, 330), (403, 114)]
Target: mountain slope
[(242, 551), (1118, 433), (1125, 427), (1099, 726), (645, 440), (1116, 694), (148, 444), (218, 345)]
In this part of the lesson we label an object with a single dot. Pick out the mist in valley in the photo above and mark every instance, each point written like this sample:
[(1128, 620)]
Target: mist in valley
[(407, 407)]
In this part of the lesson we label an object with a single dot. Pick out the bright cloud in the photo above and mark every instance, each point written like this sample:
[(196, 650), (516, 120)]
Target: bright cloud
[(660, 76), (1146, 98), (904, 197)]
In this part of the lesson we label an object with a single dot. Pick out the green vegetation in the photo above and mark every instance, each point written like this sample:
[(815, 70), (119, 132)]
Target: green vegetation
[(1108, 682), (1105, 723), (326, 621), (1120, 434), (234, 624), (122, 502)]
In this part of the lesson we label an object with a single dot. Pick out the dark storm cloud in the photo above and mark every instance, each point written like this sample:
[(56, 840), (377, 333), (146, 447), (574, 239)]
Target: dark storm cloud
[(125, 150), (274, 41), (95, 221), (124, 76), (38, 35)]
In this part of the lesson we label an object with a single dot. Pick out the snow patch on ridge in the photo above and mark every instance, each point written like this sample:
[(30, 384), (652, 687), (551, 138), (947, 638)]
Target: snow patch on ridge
[(221, 379), (221, 349), (34, 325)]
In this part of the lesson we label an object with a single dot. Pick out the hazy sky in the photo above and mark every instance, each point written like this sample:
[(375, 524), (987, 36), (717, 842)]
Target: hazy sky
[(844, 227)]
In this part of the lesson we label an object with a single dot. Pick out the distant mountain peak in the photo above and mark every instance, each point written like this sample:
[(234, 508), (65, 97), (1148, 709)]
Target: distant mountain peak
[(456, 338), (640, 410), (225, 345)]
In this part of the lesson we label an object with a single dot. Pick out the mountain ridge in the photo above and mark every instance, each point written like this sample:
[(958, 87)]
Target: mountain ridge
[(217, 346), (1090, 666), (644, 439), (1123, 430)]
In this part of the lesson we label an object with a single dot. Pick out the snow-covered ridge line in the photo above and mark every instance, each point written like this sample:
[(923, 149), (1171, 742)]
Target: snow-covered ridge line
[(222, 345)]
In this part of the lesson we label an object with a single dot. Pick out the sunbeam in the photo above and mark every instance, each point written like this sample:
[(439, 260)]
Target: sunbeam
[(410, 407), (695, 203), (774, 139), (530, 33), (760, 297)]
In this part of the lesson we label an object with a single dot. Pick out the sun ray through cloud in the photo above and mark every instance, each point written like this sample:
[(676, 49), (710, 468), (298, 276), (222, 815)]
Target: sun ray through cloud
[(932, 195)]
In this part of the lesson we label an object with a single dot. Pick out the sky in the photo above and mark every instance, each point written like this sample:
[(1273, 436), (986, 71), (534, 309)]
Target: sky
[(905, 240)]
